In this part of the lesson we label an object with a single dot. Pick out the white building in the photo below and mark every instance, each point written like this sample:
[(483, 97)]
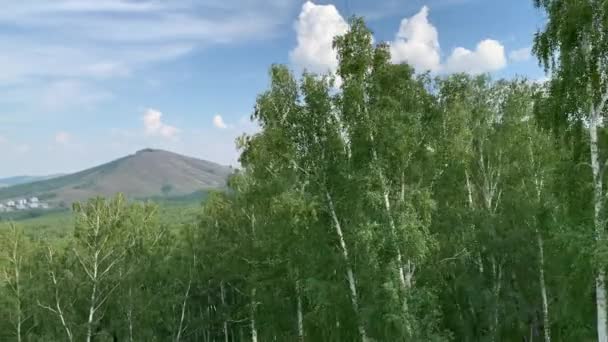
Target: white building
[(10, 203), (21, 206), (34, 205), (21, 202), (34, 200)]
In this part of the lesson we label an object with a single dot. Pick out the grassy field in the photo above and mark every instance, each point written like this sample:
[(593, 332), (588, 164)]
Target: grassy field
[(56, 224)]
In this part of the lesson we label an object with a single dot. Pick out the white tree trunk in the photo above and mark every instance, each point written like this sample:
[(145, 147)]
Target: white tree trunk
[(600, 287), (18, 293), (130, 315), (300, 314), (254, 330), (391, 221), (223, 298), (57, 309), (349, 270), (13, 281), (93, 303), (543, 288), (497, 275), (181, 328), (471, 206)]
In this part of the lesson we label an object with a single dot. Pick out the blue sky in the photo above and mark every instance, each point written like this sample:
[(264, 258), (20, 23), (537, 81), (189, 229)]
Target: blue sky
[(83, 82)]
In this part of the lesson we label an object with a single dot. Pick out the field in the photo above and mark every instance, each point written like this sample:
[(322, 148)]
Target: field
[(56, 224)]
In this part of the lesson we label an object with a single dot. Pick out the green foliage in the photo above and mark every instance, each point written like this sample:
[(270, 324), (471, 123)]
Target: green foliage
[(393, 207)]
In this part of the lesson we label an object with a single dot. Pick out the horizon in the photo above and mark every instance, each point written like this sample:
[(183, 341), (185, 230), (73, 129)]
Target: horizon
[(89, 82)]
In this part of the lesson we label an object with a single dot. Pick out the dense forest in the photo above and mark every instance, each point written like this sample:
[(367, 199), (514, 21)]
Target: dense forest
[(377, 204)]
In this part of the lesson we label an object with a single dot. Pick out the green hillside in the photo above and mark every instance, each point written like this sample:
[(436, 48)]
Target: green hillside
[(11, 181), (146, 174)]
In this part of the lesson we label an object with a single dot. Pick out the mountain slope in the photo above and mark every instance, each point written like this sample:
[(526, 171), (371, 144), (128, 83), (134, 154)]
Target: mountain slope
[(5, 182), (147, 173)]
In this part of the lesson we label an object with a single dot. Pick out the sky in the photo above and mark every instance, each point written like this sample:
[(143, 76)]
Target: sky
[(85, 82)]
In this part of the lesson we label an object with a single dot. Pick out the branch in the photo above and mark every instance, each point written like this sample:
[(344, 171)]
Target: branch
[(181, 321), (86, 270), (105, 297), (455, 257), (47, 307)]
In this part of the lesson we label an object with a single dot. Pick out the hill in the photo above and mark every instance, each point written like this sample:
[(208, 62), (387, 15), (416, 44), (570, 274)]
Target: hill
[(6, 182), (145, 174)]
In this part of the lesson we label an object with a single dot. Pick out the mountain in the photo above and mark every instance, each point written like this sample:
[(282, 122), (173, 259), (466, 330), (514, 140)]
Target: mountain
[(4, 182), (145, 174)]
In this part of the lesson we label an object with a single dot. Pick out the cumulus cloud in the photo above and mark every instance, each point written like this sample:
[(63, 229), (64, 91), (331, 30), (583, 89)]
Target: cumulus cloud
[(154, 126), (520, 55), (417, 43), (62, 138), (316, 27), (218, 122), (489, 55)]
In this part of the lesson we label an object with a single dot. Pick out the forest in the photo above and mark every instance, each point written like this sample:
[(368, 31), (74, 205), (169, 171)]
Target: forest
[(377, 204)]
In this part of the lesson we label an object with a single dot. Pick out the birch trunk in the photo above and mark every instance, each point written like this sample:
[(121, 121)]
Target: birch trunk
[(57, 309), (391, 221), (223, 298), (16, 263), (538, 184), (471, 206), (600, 287), (254, 330), (299, 313), (349, 271), (497, 275), (180, 328), (15, 283), (130, 315), (93, 302), (543, 288)]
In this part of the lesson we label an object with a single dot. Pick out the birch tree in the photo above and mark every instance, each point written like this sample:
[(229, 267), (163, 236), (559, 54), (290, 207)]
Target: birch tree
[(381, 106), (573, 46), (14, 278)]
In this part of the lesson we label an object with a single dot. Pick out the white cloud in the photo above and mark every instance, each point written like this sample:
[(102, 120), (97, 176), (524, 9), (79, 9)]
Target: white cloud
[(62, 138), (520, 55), (45, 42), (489, 55), (417, 43), (218, 122), (154, 126), (141, 21), (316, 27)]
